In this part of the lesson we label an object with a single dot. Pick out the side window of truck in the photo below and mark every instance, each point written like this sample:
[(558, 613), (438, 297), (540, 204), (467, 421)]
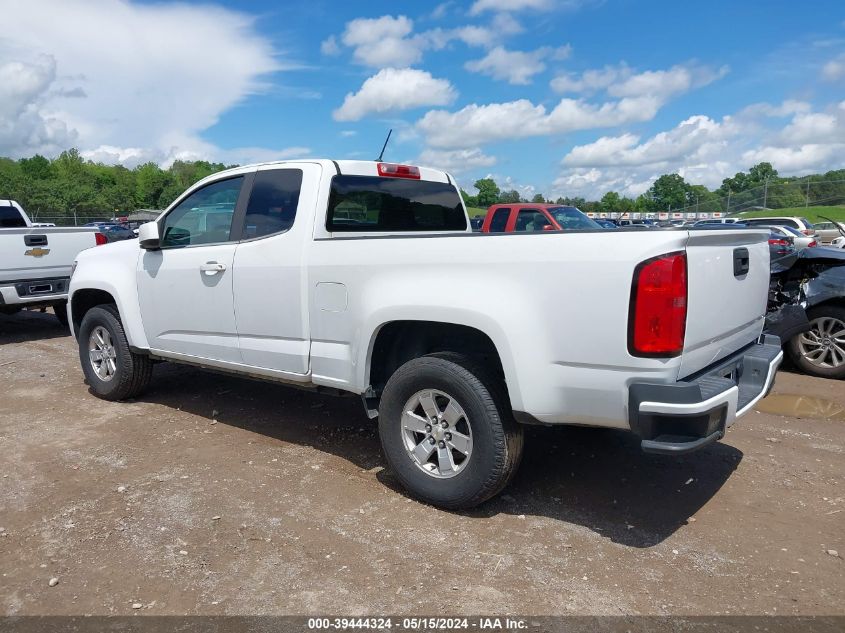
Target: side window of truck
[(530, 220), (272, 202), (204, 217), (499, 222)]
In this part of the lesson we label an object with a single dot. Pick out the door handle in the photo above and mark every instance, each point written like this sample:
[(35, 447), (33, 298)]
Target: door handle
[(212, 268), (35, 240), (741, 262)]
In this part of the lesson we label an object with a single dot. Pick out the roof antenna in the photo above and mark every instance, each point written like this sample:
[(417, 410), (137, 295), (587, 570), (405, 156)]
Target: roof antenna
[(379, 159)]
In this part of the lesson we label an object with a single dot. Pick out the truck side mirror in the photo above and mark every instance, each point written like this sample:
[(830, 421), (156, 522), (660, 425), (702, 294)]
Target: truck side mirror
[(148, 238)]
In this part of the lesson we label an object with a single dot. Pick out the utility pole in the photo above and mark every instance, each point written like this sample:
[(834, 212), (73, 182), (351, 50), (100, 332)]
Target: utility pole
[(766, 192), (728, 209), (807, 198)]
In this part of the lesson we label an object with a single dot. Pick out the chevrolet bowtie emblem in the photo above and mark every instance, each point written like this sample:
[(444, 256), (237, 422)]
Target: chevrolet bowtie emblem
[(37, 252)]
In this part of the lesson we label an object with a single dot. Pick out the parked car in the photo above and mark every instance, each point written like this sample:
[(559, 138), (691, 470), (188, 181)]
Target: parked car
[(643, 224), (782, 251), (476, 223), (528, 217), (716, 221), (35, 261), (453, 339), (802, 224), (605, 224), (799, 240), (826, 232), (807, 311), (116, 232)]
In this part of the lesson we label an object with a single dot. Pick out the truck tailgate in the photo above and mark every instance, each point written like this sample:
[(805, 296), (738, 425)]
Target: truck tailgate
[(728, 283), (40, 252)]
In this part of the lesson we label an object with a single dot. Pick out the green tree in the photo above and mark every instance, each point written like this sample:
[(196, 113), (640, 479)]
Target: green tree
[(488, 191), (669, 191), (509, 196), (538, 198), (610, 201), (470, 201)]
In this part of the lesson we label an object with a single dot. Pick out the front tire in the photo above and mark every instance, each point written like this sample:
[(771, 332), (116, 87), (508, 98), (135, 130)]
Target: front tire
[(448, 432), (111, 369), (821, 350)]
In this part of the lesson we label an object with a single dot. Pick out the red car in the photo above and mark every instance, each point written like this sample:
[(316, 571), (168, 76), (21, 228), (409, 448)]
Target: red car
[(530, 217)]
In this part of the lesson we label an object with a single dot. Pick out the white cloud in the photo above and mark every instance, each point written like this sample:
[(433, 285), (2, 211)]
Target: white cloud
[(148, 79), (515, 67), (393, 89), (480, 6), (834, 70), (455, 161), (384, 41), (623, 81), (476, 125), (440, 10), (329, 46), (390, 42), (690, 136), (348, 133), (24, 125), (133, 156), (705, 151), (638, 98)]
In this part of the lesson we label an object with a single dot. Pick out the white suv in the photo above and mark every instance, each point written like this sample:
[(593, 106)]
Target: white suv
[(802, 224)]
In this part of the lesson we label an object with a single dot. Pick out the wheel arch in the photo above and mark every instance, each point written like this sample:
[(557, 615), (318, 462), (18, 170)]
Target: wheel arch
[(395, 341), (83, 299)]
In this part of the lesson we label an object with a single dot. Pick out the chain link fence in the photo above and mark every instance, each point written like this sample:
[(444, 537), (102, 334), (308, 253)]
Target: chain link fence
[(807, 193)]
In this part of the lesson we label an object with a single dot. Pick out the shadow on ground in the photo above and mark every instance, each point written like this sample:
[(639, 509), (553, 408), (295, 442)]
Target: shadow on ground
[(599, 479), (30, 325)]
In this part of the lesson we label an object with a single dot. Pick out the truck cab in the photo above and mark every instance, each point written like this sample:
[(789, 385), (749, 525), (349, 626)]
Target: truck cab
[(530, 217)]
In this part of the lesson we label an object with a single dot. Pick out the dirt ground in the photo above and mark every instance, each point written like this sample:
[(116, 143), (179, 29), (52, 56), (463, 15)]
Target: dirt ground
[(217, 495)]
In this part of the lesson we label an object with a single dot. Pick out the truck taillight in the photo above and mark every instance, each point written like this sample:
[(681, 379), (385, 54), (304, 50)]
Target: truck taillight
[(392, 170), (658, 313), (100, 239), (776, 242), (813, 243)]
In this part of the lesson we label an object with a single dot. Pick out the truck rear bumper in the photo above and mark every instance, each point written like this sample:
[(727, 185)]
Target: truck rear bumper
[(35, 291), (684, 416)]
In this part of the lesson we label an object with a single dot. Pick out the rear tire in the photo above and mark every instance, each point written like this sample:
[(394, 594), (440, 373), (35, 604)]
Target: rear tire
[(473, 403), (821, 351), (111, 369)]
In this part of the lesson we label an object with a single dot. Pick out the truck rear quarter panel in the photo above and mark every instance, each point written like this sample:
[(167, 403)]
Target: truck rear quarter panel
[(555, 305)]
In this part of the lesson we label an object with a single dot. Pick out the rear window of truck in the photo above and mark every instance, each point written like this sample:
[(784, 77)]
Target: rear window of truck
[(367, 204), (10, 218)]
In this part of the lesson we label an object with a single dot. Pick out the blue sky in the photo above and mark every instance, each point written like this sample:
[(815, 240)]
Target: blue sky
[(562, 97)]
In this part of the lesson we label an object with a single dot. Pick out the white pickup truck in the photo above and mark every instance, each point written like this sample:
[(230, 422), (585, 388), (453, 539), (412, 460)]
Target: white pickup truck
[(366, 278), (35, 261)]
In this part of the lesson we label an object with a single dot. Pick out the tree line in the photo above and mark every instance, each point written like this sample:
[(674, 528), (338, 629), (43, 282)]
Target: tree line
[(71, 186), (760, 186)]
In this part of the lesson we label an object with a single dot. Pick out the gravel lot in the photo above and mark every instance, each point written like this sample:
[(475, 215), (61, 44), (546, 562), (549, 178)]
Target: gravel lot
[(217, 495)]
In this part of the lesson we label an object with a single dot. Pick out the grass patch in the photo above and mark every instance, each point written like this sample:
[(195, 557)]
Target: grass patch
[(475, 212), (813, 214)]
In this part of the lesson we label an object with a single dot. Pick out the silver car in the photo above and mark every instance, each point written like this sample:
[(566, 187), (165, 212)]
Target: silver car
[(826, 232)]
